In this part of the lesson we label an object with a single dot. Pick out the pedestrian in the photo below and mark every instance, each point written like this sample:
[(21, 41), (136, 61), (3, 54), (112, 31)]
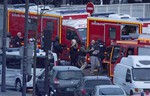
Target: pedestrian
[(82, 56), (57, 47), (17, 40), (93, 51), (101, 55), (74, 52)]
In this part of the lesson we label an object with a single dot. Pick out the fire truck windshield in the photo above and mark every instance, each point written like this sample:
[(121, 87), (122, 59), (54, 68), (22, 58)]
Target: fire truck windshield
[(82, 33), (141, 74)]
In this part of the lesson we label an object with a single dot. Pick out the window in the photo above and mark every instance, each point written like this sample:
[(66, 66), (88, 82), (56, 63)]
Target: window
[(112, 33), (130, 51), (111, 91), (141, 74), (93, 83), (32, 24), (13, 62), (128, 76), (116, 53), (70, 34), (50, 25), (109, 50), (72, 75)]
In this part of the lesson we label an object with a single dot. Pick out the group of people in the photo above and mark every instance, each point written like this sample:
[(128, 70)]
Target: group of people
[(77, 54), (95, 50)]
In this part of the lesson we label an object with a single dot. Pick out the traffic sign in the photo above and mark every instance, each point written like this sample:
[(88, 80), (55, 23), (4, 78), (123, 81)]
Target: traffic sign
[(90, 7)]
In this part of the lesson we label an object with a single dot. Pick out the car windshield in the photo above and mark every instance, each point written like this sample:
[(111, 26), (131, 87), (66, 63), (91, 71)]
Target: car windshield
[(82, 33), (68, 75), (111, 91), (141, 74), (92, 83)]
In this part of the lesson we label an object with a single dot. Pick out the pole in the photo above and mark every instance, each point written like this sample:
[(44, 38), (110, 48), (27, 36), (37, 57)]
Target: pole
[(25, 49), (3, 88), (46, 75)]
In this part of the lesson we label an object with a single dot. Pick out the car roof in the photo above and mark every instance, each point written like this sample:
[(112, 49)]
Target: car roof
[(96, 77), (63, 68), (108, 86)]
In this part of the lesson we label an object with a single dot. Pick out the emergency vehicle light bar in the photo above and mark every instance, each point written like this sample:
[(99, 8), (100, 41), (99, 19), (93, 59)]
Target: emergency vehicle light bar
[(101, 14), (143, 19), (70, 11)]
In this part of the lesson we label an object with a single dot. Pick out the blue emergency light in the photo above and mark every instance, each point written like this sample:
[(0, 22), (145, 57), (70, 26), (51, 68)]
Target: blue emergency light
[(143, 19), (70, 11)]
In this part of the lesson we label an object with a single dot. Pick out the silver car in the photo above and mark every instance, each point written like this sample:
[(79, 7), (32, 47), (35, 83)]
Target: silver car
[(108, 90)]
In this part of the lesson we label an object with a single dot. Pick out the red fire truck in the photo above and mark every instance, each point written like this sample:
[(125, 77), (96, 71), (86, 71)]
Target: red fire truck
[(113, 27), (65, 23), (123, 48)]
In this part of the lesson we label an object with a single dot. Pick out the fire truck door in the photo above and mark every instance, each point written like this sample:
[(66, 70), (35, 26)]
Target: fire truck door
[(112, 32), (114, 57), (51, 24)]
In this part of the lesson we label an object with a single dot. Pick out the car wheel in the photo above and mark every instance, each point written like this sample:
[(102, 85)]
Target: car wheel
[(37, 91), (18, 85), (131, 92), (51, 93)]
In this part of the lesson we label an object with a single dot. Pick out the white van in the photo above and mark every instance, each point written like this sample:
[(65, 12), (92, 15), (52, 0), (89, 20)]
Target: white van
[(133, 74), (14, 74)]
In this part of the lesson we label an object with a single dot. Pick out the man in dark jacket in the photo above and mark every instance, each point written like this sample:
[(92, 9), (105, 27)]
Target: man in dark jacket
[(57, 47), (18, 40)]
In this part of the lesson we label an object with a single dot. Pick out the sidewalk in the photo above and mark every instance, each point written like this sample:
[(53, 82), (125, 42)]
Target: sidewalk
[(11, 92)]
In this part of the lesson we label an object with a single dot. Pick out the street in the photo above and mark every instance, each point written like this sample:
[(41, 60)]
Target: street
[(12, 92)]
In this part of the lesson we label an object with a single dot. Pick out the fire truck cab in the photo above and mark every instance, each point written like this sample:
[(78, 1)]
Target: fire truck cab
[(123, 48), (113, 27)]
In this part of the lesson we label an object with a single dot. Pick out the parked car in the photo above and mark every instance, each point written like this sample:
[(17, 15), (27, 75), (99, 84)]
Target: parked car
[(14, 69), (132, 73), (63, 79), (108, 90), (87, 84)]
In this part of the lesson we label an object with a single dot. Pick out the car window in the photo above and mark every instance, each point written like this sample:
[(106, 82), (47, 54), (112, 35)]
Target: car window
[(65, 75), (93, 83), (111, 91)]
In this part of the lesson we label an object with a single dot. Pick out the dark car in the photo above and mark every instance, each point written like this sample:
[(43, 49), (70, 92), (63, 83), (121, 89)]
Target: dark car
[(87, 84), (63, 79)]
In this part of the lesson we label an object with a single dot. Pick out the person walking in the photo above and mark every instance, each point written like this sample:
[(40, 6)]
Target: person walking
[(82, 56), (74, 52), (101, 55), (93, 51)]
